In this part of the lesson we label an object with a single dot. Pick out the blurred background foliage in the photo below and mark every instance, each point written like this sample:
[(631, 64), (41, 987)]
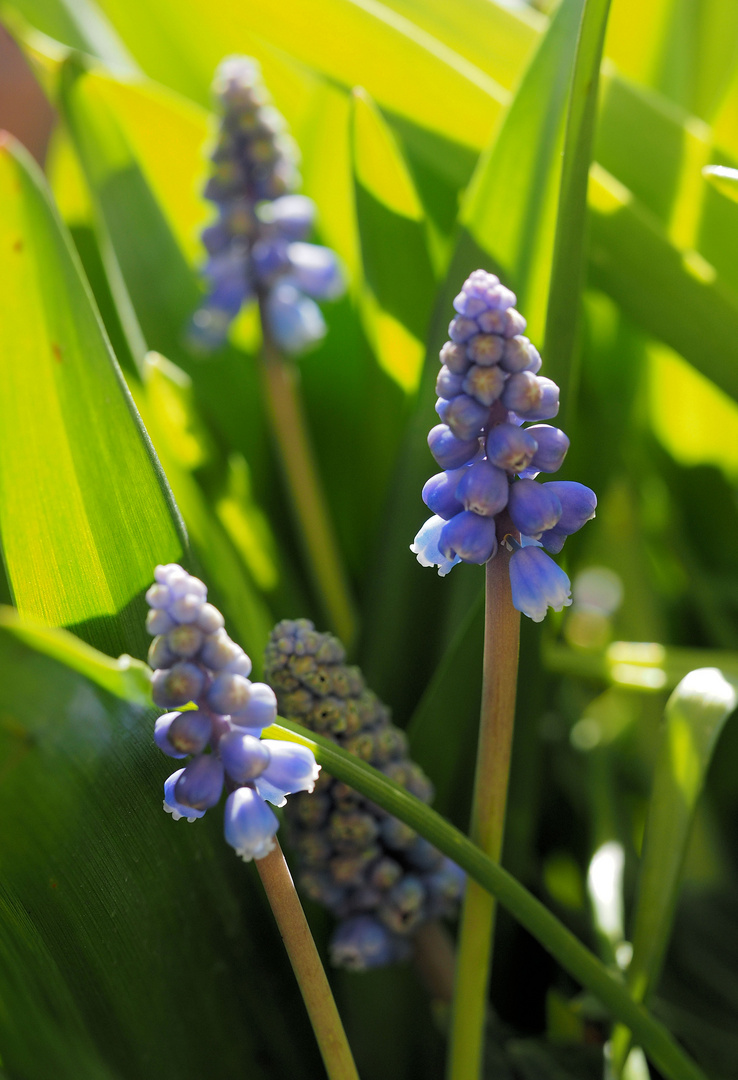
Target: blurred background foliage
[(431, 135)]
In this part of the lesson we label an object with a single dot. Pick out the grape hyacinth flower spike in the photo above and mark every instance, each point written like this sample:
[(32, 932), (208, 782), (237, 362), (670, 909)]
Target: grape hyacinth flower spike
[(257, 246), (196, 662), (487, 493), (374, 874)]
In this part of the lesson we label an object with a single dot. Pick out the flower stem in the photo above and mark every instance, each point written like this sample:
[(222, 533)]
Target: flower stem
[(501, 643), (281, 384), (434, 958), (311, 978)]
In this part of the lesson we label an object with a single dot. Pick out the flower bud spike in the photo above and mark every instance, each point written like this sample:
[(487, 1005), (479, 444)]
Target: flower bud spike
[(257, 244), (231, 713), (501, 519), (369, 869)]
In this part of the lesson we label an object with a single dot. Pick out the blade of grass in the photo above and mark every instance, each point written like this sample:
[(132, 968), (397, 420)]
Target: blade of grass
[(569, 254)]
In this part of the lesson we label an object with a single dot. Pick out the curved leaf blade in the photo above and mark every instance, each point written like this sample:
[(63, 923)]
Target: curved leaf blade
[(693, 721), (85, 510), (552, 934)]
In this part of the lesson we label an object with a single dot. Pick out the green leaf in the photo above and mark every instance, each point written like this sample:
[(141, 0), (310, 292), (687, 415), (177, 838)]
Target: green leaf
[(639, 665), (443, 728), (126, 677), (569, 254), (724, 179), (85, 510), (79, 24), (404, 68), (495, 38), (56, 726), (509, 211), (230, 535), (693, 720), (398, 278), (544, 926), (131, 946), (675, 294)]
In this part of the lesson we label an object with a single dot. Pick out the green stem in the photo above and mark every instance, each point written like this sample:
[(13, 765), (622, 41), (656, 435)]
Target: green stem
[(501, 643), (574, 957), (281, 385), (311, 978)]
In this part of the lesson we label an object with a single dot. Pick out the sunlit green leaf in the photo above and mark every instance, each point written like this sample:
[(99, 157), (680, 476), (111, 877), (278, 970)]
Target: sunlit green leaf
[(398, 279), (675, 294), (694, 718), (509, 210), (496, 38), (85, 511), (723, 178), (402, 66), (569, 254), (80, 24)]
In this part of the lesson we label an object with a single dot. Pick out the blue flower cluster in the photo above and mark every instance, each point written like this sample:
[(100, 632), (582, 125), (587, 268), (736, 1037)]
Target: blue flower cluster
[(195, 661), (374, 873), (257, 246), (488, 387)]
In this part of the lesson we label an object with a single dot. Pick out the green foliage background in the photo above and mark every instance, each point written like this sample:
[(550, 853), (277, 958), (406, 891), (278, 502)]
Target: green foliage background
[(432, 137)]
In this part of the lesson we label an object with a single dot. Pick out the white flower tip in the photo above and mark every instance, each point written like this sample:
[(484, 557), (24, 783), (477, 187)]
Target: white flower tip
[(176, 815), (247, 854)]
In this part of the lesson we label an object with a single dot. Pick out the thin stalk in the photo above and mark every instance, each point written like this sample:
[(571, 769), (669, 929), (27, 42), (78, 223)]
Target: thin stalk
[(434, 958), (298, 941), (499, 678), (281, 380)]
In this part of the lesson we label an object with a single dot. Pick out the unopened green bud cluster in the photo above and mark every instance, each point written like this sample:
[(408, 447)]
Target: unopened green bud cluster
[(373, 872)]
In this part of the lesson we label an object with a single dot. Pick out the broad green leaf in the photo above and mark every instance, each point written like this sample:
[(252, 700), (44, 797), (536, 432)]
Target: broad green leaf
[(637, 55), (230, 536), (79, 24), (694, 420), (509, 211), (569, 253), (130, 943), (673, 293), (693, 721), (403, 67), (398, 278), (85, 510), (497, 39), (675, 147), (684, 49)]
